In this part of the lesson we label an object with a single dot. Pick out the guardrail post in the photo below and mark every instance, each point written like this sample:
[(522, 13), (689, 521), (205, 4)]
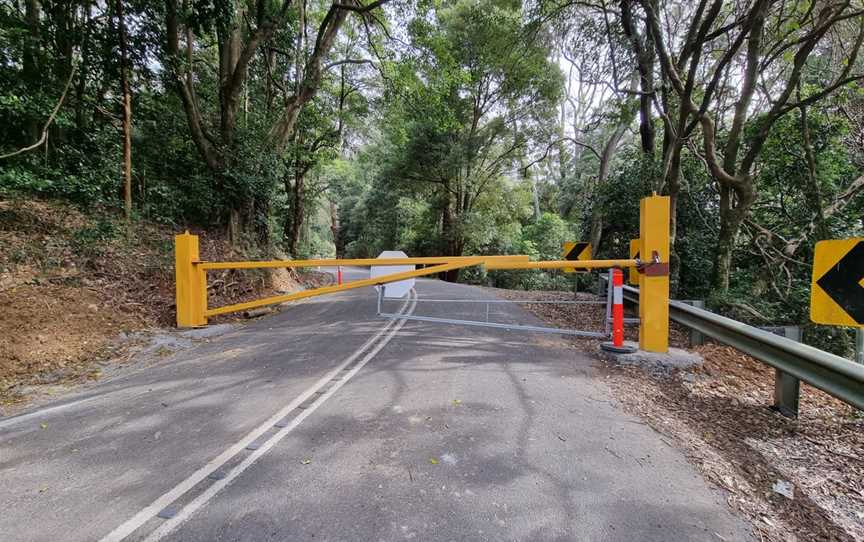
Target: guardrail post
[(787, 388), (859, 345), (190, 282), (601, 285), (654, 278), (696, 337)]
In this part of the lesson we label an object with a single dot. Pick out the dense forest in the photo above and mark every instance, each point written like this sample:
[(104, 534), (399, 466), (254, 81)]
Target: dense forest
[(455, 127)]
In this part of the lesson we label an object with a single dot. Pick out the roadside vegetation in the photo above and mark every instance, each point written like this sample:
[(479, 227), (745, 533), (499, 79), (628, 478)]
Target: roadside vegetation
[(459, 127)]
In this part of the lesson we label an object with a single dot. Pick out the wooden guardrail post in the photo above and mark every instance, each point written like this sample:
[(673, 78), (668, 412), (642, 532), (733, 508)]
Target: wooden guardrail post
[(190, 282), (654, 274)]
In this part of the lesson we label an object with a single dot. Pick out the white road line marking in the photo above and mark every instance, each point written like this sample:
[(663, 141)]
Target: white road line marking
[(148, 512), (201, 500)]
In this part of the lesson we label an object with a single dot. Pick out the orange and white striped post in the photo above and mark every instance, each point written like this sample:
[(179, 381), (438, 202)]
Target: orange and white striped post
[(617, 345), (339, 275), (617, 308)]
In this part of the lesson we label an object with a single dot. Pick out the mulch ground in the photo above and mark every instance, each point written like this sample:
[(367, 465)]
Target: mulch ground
[(719, 415)]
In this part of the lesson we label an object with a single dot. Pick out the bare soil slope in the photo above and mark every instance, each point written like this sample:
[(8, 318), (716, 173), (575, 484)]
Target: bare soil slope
[(75, 285)]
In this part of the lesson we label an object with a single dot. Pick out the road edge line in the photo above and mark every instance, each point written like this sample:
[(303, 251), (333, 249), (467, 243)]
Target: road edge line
[(148, 512), (201, 500)]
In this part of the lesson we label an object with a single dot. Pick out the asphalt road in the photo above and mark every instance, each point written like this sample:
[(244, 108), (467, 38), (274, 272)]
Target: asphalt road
[(326, 423)]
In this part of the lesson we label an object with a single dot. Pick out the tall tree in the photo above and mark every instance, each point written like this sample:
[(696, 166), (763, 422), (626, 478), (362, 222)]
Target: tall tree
[(475, 71), (127, 110), (766, 49), (241, 29)]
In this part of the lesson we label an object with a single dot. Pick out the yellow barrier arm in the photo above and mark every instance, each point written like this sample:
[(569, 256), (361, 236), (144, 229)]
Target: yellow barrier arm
[(465, 262), (562, 264), (357, 262)]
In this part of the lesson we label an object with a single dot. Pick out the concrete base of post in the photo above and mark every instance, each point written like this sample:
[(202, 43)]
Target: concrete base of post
[(660, 362)]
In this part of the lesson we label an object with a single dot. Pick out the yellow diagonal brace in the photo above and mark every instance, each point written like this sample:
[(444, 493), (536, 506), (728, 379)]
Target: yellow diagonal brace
[(465, 262), (562, 264), (357, 262)]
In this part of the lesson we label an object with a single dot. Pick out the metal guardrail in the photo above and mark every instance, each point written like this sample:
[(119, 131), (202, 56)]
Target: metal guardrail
[(832, 374)]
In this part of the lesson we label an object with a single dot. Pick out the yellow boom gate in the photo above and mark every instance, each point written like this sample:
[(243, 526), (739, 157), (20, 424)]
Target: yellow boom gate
[(191, 275)]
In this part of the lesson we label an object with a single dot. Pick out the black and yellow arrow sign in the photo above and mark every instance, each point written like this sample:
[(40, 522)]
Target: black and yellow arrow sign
[(837, 290), (576, 251)]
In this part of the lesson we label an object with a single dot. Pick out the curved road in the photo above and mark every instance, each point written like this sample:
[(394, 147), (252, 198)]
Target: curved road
[(324, 422)]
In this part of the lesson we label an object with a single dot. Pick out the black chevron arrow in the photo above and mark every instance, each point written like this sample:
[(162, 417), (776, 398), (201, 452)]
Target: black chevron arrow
[(576, 251), (841, 282)]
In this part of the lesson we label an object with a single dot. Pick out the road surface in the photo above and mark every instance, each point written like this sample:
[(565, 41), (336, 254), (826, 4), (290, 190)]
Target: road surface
[(324, 422)]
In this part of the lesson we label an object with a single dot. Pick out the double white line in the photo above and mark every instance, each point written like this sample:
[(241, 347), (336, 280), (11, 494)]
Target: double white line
[(370, 348)]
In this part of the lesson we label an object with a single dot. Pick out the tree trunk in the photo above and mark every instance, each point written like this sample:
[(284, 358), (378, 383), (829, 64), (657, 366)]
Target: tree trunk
[(643, 50), (595, 234), (812, 190), (283, 130), (673, 187), (82, 119), (260, 216), (335, 231), (296, 212), (735, 203), (229, 54), (453, 243), (127, 113), (33, 61), (609, 149)]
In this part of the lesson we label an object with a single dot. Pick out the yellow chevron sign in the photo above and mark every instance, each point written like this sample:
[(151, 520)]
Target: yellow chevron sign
[(837, 289), (576, 251)]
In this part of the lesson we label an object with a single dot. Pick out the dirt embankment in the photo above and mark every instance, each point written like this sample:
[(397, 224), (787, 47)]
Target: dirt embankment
[(75, 287), (719, 415)]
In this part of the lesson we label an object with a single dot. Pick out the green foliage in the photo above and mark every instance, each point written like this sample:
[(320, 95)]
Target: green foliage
[(618, 202), (90, 240), (436, 148)]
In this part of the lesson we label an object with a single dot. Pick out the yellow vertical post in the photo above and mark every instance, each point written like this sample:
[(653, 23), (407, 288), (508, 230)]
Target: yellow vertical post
[(190, 282), (654, 280)]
